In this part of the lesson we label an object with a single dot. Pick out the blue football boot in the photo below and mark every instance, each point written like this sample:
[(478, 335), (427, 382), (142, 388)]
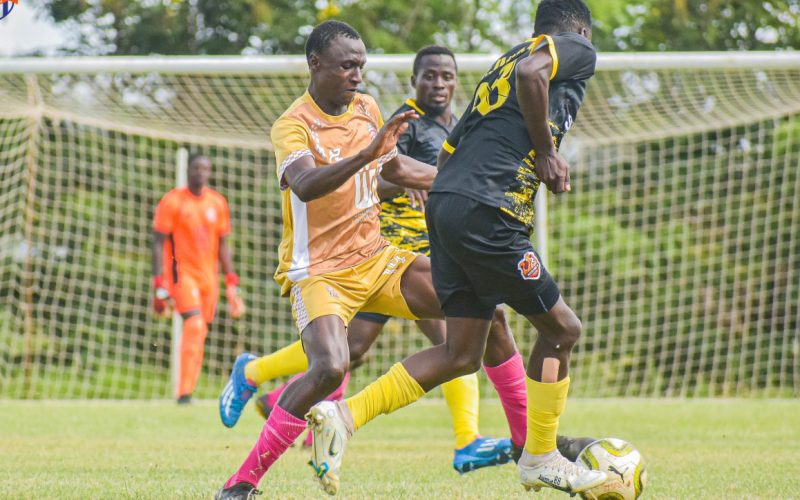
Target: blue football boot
[(237, 392), (482, 452)]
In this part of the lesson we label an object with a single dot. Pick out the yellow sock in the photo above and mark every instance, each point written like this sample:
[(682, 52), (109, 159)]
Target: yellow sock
[(462, 398), (546, 403), (393, 390), (287, 361)]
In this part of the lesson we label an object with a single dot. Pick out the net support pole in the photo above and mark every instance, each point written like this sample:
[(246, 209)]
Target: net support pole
[(540, 223), (181, 165)]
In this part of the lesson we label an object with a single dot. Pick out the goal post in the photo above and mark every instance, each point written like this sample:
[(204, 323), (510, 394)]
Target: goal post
[(678, 246), (181, 172)]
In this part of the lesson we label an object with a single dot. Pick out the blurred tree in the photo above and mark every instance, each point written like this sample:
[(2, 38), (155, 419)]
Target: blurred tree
[(260, 27), (649, 25), (280, 26)]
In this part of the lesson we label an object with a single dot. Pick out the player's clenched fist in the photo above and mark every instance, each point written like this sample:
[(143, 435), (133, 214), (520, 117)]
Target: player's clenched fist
[(161, 304), (235, 303), (553, 171)]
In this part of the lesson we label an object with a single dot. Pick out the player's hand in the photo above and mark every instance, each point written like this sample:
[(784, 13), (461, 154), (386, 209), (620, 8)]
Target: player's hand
[(161, 302), (236, 306), (388, 135), (553, 171), (235, 303), (418, 198)]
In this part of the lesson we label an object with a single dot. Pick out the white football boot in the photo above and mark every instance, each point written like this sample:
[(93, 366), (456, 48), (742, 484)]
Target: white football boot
[(332, 426), (557, 472)]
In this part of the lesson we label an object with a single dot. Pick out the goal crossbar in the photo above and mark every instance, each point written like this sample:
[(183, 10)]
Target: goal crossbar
[(208, 65)]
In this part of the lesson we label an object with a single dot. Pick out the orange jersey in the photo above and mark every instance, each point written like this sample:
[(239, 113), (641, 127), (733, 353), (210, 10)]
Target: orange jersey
[(341, 229), (194, 225)]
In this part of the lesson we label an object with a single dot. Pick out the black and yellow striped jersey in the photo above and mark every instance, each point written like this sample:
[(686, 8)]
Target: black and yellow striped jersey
[(402, 225), (492, 157)]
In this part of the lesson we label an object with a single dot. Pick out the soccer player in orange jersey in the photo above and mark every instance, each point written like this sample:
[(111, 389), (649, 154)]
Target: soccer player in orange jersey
[(330, 147), (189, 241)]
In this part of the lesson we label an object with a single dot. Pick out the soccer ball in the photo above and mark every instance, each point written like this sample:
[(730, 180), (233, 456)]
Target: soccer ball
[(624, 465)]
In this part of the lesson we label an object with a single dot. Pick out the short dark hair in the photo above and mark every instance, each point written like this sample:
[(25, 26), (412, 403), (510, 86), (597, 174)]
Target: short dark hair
[(196, 156), (559, 16), (325, 33), (431, 50)]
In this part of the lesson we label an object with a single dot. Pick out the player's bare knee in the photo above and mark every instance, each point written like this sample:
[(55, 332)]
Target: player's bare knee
[(464, 363), (567, 334), (328, 374)]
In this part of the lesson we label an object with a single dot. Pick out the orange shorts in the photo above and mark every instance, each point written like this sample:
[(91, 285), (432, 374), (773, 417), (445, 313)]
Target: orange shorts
[(191, 293)]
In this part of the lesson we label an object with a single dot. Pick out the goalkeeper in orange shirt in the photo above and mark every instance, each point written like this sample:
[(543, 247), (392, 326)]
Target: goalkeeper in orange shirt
[(190, 227)]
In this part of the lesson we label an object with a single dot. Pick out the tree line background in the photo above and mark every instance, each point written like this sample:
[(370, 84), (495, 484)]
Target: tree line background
[(680, 253), (121, 27)]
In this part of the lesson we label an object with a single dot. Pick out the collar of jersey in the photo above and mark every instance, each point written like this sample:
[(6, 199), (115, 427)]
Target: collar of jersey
[(202, 192), (413, 103), (326, 116)]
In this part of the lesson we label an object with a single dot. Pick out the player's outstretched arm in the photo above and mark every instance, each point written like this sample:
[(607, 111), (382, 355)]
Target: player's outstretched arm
[(309, 183), (408, 172), (533, 85), (388, 190)]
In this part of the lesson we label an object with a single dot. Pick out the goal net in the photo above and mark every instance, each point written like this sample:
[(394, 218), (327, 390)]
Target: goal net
[(679, 246)]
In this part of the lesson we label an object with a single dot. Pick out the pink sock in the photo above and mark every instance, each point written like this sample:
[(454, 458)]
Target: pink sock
[(272, 397), (338, 394), (280, 431), (508, 379)]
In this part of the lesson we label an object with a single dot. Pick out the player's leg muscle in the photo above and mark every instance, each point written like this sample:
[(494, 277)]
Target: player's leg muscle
[(434, 329), (416, 286), (559, 330), (500, 346), (325, 343), (459, 355), (361, 334)]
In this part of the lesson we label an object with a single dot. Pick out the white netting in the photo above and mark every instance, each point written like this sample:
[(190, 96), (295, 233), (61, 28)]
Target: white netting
[(678, 246)]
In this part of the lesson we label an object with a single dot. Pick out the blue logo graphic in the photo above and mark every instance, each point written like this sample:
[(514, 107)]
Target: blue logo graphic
[(6, 8)]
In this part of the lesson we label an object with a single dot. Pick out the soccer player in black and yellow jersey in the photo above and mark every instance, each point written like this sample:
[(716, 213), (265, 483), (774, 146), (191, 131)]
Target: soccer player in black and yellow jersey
[(434, 75), (434, 78), (479, 217)]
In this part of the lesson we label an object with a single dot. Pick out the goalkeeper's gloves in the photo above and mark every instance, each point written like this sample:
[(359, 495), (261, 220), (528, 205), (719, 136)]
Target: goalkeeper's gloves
[(235, 304), (161, 304)]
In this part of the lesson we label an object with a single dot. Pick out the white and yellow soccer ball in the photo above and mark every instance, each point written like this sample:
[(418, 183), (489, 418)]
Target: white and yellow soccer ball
[(624, 465)]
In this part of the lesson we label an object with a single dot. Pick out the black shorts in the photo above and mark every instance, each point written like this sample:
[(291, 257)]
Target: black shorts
[(481, 257), (379, 318)]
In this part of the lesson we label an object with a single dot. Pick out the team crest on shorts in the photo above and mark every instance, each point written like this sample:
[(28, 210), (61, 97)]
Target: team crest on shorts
[(529, 266)]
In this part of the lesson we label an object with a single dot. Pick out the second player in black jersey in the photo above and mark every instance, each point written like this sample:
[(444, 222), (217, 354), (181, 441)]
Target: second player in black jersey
[(402, 222), (502, 175), (480, 214)]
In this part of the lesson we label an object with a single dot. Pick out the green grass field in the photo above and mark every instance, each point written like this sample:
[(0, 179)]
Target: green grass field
[(695, 449)]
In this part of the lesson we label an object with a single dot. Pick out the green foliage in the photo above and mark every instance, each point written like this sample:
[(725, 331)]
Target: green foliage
[(695, 238), (280, 26), (649, 25)]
